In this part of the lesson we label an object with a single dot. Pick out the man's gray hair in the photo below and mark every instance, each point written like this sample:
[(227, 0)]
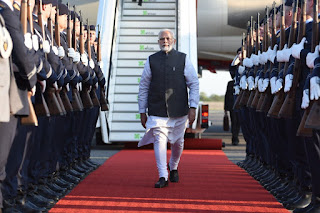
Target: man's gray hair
[(166, 30)]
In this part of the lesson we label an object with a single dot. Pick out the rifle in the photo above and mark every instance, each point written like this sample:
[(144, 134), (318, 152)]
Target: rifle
[(246, 93), (103, 101), (40, 107), (258, 94), (303, 130), (75, 103), (257, 48), (266, 100), (31, 119), (280, 95), (85, 96), (93, 94), (236, 104), (61, 94), (288, 106), (52, 101)]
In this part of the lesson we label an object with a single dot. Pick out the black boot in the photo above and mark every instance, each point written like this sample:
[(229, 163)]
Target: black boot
[(161, 183)]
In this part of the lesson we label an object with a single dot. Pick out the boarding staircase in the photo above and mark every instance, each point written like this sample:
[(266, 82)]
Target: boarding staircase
[(135, 38)]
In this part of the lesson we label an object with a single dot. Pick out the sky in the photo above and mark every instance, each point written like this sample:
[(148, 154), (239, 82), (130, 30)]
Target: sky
[(214, 83)]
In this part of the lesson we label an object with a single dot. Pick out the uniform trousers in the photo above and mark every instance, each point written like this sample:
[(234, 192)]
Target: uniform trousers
[(7, 133)]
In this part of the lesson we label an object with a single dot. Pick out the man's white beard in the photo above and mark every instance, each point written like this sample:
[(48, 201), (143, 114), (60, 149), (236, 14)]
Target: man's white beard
[(166, 48)]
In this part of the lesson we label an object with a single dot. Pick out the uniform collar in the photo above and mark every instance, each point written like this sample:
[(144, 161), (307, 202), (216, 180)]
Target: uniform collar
[(309, 20), (7, 2)]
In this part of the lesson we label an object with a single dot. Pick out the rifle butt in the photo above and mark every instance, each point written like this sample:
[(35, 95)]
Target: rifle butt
[(255, 100), (313, 120), (76, 105), (31, 119), (103, 101), (267, 101), (52, 101), (86, 100), (65, 100), (260, 101), (236, 104), (245, 98), (60, 103), (302, 131), (276, 104), (41, 107), (94, 98), (252, 93), (288, 106)]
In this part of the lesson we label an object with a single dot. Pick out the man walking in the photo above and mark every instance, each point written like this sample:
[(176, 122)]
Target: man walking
[(163, 95)]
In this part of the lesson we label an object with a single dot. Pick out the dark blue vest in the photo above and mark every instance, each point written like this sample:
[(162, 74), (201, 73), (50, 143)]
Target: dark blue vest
[(168, 95)]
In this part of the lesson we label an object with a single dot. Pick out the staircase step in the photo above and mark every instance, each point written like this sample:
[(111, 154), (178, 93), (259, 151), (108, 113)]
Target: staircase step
[(147, 13), (159, 5), (126, 136), (128, 80), (134, 55), (139, 47), (129, 71), (131, 63), (131, 126), (147, 24), (126, 117), (126, 98), (126, 89), (125, 107)]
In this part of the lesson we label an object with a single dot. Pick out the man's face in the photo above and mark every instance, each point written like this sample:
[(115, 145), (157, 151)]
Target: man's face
[(309, 8), (85, 34), (63, 21), (288, 15), (77, 28), (92, 36), (166, 41), (47, 10)]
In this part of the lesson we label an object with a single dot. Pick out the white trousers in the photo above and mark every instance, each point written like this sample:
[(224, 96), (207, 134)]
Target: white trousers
[(160, 151)]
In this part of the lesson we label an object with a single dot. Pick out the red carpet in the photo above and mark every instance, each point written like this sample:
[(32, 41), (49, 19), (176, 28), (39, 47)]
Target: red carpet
[(209, 182), (189, 143)]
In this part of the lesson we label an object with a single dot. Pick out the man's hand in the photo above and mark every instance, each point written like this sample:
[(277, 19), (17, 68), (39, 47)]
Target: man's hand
[(191, 115), (143, 119)]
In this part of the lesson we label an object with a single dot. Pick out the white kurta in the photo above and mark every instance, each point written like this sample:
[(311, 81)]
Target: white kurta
[(174, 128)]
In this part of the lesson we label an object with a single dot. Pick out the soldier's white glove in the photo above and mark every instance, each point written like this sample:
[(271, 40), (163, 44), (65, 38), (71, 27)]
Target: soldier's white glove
[(241, 69), (273, 85), (265, 84), (314, 88), (46, 46), (243, 82), (312, 56), (284, 54), (76, 57), (280, 55), (235, 61), (260, 85), (250, 81), (28, 41), (247, 62), (71, 53), (296, 48), (61, 52), (33, 90), (272, 54), (255, 59), (236, 90), (288, 82), (256, 79), (35, 42), (55, 85), (305, 99), (91, 64), (279, 84), (84, 59), (55, 50), (264, 57), (43, 85), (100, 63)]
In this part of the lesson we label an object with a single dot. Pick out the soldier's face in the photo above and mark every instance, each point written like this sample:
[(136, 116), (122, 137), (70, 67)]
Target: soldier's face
[(309, 8), (92, 36), (166, 41), (85, 34), (63, 21)]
